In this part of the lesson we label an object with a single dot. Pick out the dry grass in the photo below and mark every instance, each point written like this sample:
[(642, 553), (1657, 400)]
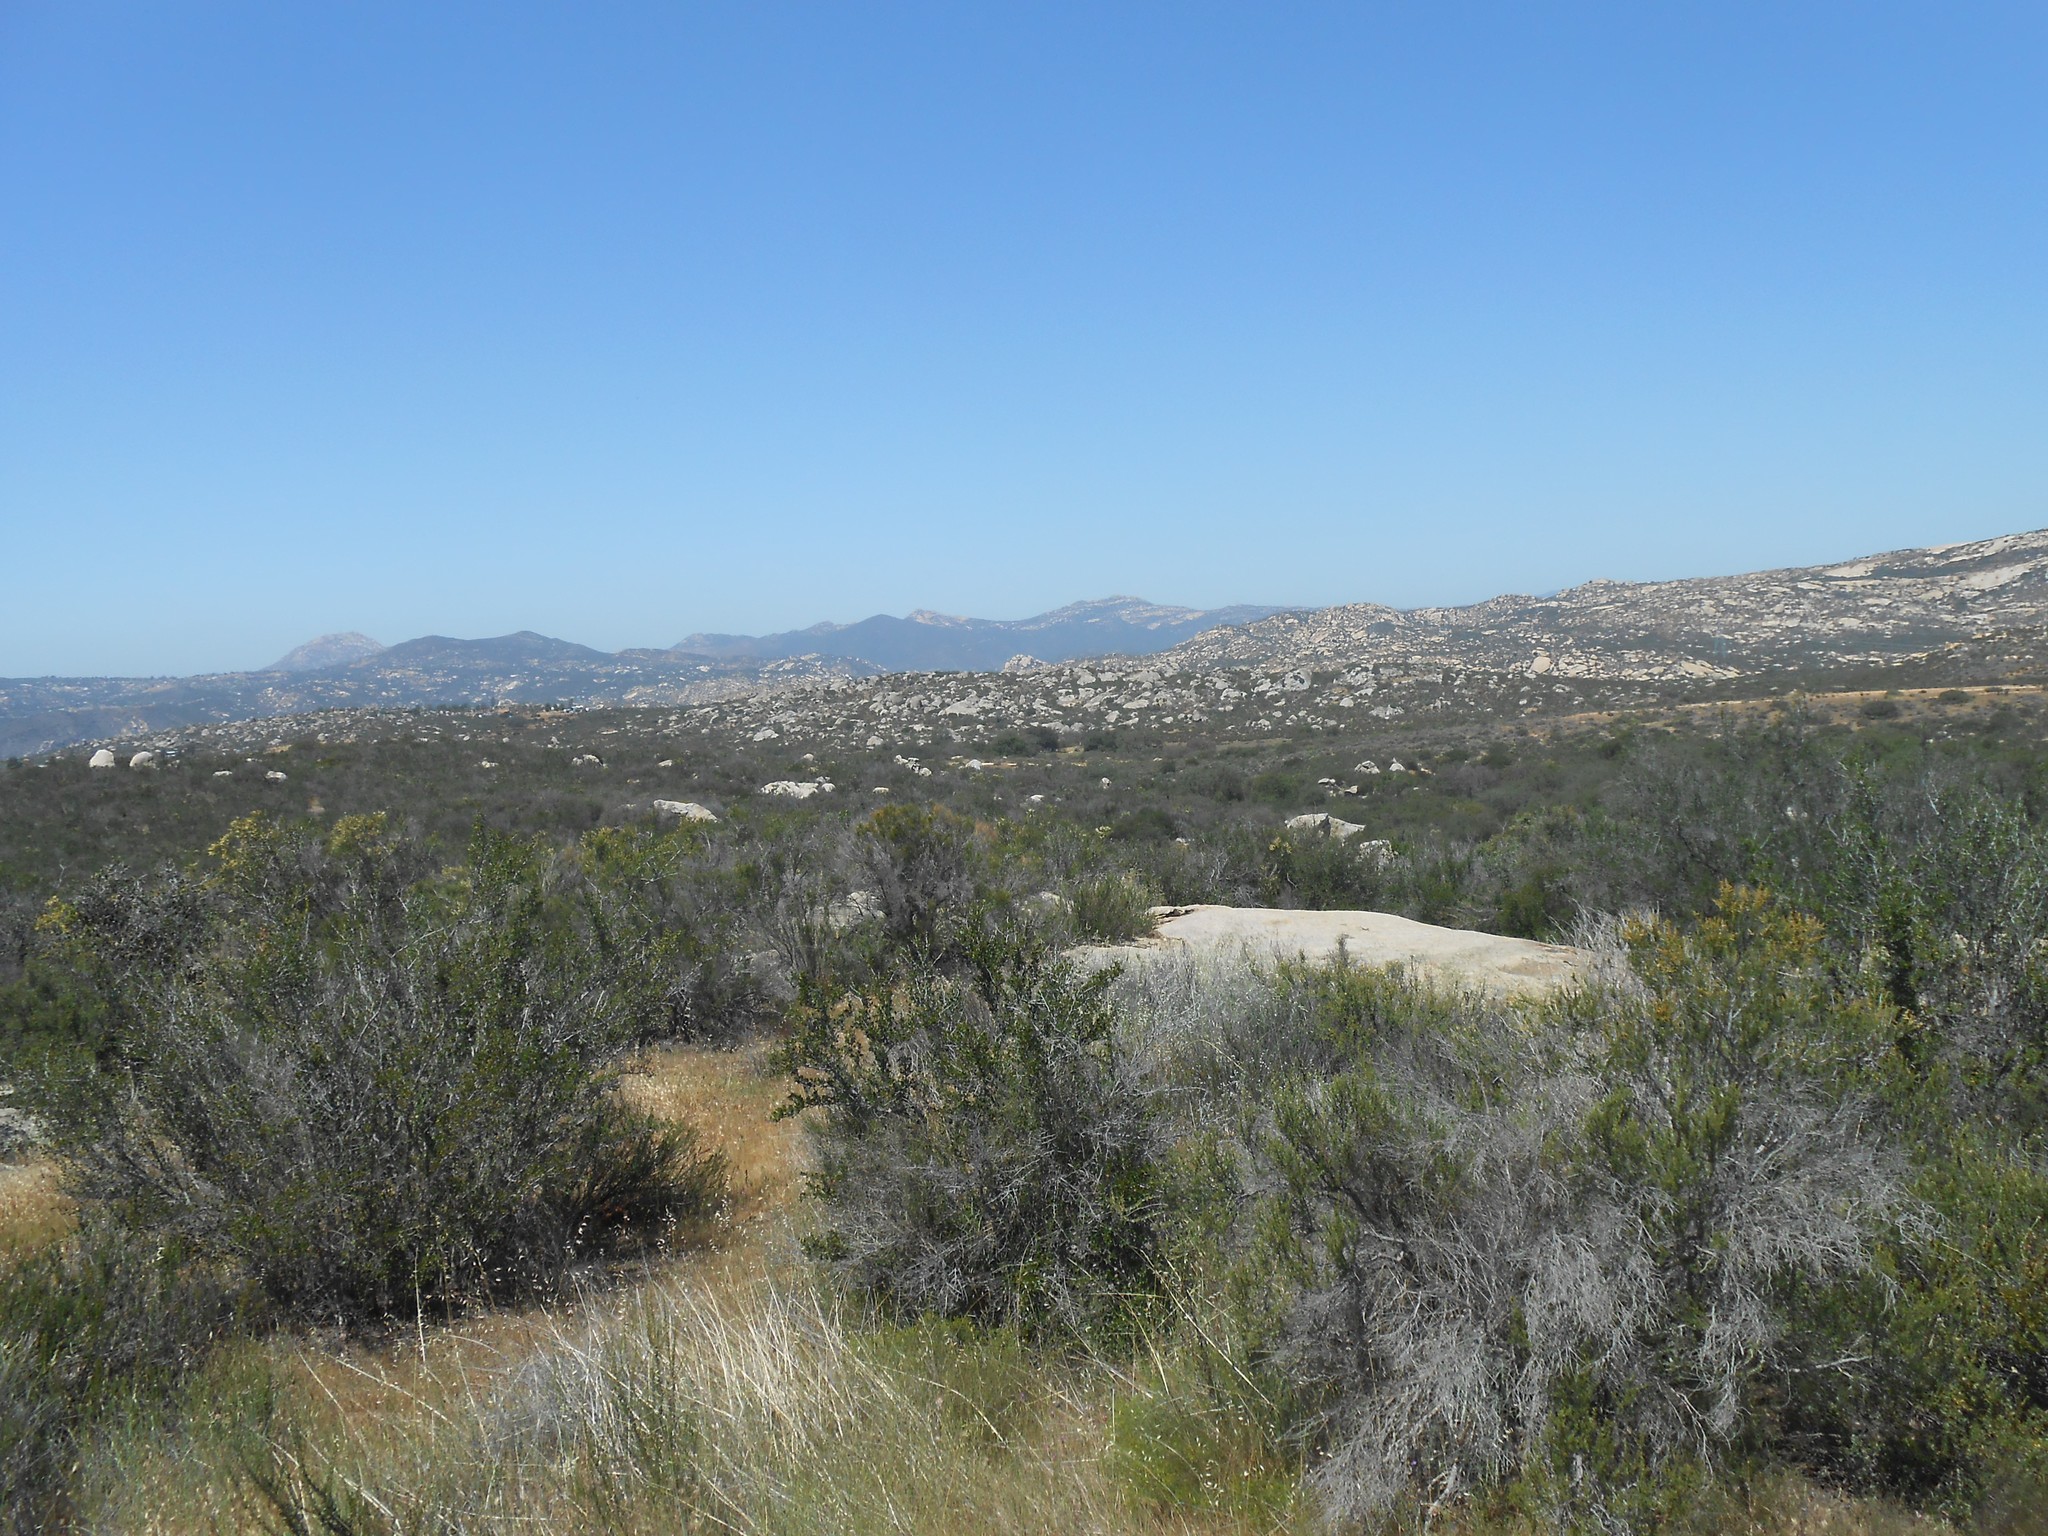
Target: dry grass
[(684, 1410), (34, 1211), (728, 1094)]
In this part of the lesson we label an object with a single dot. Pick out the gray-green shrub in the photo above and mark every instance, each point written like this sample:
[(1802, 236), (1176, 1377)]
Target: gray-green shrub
[(363, 1090), (983, 1147)]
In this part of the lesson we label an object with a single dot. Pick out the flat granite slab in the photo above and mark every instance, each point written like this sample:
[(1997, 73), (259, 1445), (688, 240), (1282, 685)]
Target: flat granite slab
[(1484, 960)]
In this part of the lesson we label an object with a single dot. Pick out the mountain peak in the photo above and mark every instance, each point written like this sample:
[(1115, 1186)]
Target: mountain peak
[(336, 650)]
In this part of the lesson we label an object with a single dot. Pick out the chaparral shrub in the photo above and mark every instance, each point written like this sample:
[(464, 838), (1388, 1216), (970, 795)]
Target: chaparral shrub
[(363, 1086)]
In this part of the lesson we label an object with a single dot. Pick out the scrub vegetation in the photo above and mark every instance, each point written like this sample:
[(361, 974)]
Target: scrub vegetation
[(450, 1148)]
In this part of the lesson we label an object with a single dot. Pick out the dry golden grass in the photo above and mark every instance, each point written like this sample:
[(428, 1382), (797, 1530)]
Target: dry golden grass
[(34, 1211), (1801, 1509), (728, 1094)]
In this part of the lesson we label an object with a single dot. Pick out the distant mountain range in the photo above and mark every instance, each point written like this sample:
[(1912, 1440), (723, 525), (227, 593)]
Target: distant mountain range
[(1858, 613), (350, 670), (937, 642)]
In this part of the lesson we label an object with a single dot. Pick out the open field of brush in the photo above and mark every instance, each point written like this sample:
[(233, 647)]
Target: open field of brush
[(446, 1137)]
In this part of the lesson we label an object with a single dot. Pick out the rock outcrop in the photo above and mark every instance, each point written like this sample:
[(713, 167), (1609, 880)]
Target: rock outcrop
[(1456, 956)]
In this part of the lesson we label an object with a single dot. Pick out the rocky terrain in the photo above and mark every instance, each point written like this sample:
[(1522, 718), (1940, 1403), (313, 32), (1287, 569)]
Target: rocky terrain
[(1455, 956), (1093, 697), (1859, 612)]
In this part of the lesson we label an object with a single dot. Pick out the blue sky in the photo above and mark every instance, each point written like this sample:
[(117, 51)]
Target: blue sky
[(621, 321)]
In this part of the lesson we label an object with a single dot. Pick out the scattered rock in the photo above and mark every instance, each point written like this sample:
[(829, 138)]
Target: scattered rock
[(792, 789), (1326, 824), (689, 810), (859, 907)]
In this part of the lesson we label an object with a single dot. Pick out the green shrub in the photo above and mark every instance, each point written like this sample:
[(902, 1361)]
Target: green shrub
[(983, 1150), (1111, 908), (1147, 824), (1218, 782), (924, 863), (671, 910), (1879, 709), (1321, 873), (1040, 738), (360, 1089), (1274, 787)]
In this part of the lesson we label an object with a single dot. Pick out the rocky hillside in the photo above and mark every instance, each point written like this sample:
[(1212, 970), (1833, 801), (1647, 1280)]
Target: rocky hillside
[(1862, 612)]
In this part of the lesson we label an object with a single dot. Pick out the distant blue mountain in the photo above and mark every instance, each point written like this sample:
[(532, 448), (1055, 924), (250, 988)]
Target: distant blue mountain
[(926, 641), (346, 671)]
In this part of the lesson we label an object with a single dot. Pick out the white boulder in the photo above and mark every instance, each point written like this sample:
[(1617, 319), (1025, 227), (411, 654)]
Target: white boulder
[(1325, 823), (143, 759), (792, 789), (689, 810), (1447, 955), (104, 758)]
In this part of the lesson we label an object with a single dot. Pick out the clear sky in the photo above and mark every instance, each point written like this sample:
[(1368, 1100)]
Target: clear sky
[(619, 321)]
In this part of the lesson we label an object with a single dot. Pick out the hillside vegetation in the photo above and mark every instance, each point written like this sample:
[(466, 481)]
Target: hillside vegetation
[(417, 1123)]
